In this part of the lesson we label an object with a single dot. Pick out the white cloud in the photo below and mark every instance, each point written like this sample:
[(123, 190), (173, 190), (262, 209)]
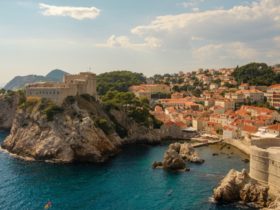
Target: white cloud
[(124, 42), (192, 3), (255, 19), (78, 13), (195, 9), (235, 50)]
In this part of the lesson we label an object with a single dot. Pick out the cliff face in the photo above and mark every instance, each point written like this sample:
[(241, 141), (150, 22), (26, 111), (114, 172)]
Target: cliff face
[(141, 134), (8, 104), (70, 136)]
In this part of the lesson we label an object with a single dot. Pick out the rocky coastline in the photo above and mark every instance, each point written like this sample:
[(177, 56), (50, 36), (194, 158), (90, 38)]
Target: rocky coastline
[(238, 186), (79, 131)]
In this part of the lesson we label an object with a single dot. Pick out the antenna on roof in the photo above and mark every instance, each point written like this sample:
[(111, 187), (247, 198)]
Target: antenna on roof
[(89, 69)]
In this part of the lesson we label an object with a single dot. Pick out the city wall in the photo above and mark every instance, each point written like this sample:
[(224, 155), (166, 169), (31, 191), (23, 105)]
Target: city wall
[(265, 162)]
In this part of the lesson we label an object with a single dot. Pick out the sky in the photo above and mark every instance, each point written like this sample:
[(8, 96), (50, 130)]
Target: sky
[(148, 36)]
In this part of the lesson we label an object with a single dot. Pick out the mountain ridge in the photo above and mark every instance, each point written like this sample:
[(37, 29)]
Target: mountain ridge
[(18, 82)]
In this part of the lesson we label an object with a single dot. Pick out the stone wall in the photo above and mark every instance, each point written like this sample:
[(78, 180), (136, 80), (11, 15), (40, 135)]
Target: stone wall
[(265, 162), (72, 85)]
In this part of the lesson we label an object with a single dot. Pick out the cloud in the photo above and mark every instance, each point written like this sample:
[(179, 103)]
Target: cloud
[(240, 22), (192, 3), (227, 51), (124, 42), (78, 13)]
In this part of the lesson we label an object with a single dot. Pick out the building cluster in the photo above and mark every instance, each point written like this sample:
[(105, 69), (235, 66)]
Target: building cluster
[(148, 90), (222, 107)]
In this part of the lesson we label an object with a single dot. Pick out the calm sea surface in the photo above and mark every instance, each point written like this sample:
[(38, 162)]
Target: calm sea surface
[(125, 182)]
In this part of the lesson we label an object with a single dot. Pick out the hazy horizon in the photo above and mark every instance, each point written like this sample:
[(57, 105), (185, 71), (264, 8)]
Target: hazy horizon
[(148, 37)]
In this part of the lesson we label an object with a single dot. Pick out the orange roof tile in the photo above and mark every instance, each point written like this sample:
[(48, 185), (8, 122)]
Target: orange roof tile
[(250, 128), (275, 127)]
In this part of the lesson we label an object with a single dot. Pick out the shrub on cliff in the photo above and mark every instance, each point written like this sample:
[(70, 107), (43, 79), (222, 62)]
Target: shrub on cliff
[(52, 110), (88, 97), (136, 108), (103, 124), (48, 108)]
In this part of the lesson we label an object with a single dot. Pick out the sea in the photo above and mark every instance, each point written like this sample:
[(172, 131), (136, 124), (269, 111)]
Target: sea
[(126, 182)]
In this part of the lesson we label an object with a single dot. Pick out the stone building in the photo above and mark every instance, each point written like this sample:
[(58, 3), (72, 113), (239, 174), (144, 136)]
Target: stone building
[(72, 85), (273, 96), (265, 162), (147, 90)]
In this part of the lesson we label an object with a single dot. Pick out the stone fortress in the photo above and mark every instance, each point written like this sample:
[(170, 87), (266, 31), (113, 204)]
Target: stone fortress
[(265, 163), (72, 85)]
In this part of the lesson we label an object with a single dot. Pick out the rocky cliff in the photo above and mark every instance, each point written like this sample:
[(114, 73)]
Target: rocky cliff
[(43, 131), (8, 106), (81, 130), (136, 133)]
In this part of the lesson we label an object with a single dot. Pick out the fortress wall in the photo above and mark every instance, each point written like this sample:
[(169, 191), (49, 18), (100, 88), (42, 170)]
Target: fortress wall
[(259, 164), (73, 85), (274, 171), (265, 162)]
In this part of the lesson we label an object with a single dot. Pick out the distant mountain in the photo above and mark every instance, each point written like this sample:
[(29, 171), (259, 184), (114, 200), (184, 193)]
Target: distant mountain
[(20, 81), (56, 75)]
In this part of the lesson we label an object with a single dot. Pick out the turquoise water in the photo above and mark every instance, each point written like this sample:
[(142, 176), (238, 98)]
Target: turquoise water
[(125, 182)]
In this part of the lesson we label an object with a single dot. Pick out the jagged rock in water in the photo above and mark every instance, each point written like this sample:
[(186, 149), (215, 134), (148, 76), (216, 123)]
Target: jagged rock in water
[(172, 160), (274, 205), (253, 192), (238, 186), (177, 155), (157, 165), (187, 152)]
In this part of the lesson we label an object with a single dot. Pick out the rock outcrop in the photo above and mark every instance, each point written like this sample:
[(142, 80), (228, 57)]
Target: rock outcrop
[(72, 135), (238, 186), (188, 153), (8, 104), (176, 157), (274, 205), (140, 134)]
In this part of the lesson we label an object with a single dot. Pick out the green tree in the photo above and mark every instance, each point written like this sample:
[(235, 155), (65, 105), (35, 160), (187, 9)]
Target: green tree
[(118, 80), (256, 74)]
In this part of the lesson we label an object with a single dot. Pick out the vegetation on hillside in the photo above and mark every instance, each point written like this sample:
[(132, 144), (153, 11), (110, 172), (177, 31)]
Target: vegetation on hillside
[(118, 80), (136, 108), (103, 124), (256, 74), (45, 106)]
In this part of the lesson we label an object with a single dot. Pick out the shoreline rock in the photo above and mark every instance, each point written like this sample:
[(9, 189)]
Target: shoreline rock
[(176, 157), (238, 186)]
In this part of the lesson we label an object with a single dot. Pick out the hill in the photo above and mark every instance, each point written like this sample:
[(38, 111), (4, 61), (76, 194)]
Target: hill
[(256, 74), (118, 80), (20, 81)]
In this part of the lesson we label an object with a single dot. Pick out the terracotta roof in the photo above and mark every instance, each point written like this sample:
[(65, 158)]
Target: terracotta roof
[(250, 128), (276, 86), (275, 127)]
